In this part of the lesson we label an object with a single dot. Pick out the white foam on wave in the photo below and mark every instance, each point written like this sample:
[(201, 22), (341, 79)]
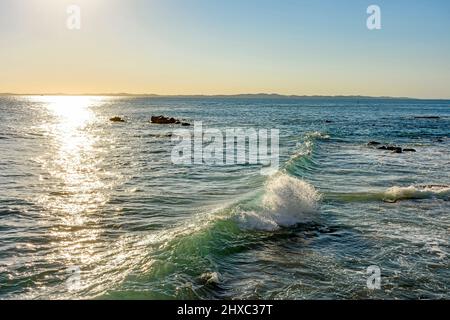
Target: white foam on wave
[(306, 147), (317, 135), (287, 201), (417, 192), (211, 278)]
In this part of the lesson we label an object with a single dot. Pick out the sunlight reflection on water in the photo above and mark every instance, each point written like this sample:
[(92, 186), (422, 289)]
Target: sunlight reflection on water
[(77, 184)]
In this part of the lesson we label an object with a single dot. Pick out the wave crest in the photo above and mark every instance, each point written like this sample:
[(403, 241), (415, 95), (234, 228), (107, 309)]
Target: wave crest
[(317, 135), (287, 201), (395, 194), (416, 192), (306, 146)]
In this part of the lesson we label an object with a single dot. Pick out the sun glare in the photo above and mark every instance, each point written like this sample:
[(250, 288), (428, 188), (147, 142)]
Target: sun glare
[(72, 110)]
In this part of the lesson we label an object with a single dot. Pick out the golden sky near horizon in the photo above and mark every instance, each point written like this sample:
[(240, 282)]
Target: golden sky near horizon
[(224, 47)]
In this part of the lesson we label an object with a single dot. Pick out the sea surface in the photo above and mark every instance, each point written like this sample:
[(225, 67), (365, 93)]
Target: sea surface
[(95, 209)]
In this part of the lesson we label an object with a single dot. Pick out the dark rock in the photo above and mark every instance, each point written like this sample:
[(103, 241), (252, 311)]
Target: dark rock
[(163, 120), (395, 149), (185, 124), (427, 117), (373, 143), (167, 120), (117, 119), (391, 148), (328, 121), (427, 186)]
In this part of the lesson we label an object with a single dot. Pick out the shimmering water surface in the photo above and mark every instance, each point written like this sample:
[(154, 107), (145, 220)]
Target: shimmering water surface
[(79, 192)]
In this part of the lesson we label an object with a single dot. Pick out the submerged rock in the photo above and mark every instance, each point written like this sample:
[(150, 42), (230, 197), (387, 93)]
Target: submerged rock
[(433, 186), (152, 135), (427, 117), (391, 148), (210, 278), (117, 119), (395, 149)]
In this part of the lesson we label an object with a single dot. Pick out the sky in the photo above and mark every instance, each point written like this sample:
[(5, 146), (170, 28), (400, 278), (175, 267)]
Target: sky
[(303, 47)]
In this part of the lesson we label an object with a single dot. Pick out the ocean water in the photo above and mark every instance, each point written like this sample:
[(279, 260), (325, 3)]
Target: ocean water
[(95, 209)]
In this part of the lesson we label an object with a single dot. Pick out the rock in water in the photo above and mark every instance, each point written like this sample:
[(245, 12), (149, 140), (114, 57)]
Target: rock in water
[(167, 120), (162, 120), (427, 117), (210, 278), (395, 149), (117, 119), (373, 143), (409, 150), (391, 148)]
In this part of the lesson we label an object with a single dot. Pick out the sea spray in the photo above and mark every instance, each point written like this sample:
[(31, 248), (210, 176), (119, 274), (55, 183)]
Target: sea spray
[(287, 201)]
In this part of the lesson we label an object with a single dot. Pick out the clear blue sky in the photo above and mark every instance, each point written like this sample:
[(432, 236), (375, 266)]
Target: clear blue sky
[(227, 46)]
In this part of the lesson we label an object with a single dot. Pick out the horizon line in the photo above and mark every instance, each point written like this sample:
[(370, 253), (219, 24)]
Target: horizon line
[(240, 95)]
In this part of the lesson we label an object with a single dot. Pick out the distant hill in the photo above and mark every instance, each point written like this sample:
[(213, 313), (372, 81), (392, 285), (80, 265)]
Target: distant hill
[(223, 96)]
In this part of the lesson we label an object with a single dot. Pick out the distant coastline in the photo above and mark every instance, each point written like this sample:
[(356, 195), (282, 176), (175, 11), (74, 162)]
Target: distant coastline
[(226, 96)]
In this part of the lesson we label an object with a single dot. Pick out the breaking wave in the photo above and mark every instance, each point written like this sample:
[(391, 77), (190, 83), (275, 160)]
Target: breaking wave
[(417, 192), (286, 201), (303, 156), (395, 194), (317, 135)]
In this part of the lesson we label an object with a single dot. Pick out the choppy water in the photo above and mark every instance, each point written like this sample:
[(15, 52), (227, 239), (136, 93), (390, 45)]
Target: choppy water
[(78, 191)]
